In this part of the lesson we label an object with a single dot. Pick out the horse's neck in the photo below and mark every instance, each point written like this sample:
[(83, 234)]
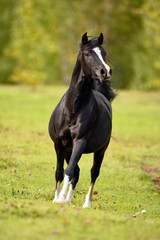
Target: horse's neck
[(80, 84), (80, 90), (76, 74)]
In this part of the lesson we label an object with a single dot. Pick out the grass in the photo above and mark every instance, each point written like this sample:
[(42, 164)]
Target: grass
[(125, 187)]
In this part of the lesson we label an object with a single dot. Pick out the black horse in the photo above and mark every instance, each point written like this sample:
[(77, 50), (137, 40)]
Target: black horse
[(82, 121)]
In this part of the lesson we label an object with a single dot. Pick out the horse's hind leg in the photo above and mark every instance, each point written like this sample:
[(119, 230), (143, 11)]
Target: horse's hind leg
[(98, 158), (59, 175)]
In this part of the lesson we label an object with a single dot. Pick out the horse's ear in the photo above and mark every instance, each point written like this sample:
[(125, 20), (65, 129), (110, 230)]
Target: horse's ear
[(100, 39), (84, 38)]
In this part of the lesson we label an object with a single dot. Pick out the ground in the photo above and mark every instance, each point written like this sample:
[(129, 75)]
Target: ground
[(126, 202)]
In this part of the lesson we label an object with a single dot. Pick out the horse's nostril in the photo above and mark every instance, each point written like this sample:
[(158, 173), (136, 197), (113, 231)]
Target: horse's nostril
[(102, 72), (110, 72)]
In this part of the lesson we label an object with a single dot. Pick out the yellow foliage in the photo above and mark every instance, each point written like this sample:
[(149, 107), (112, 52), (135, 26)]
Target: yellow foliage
[(25, 77)]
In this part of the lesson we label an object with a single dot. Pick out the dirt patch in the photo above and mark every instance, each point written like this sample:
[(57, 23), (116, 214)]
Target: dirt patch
[(153, 173), (157, 182)]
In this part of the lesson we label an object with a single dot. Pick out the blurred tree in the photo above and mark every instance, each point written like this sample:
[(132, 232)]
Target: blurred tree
[(147, 47), (7, 8), (32, 48), (39, 39), (125, 27)]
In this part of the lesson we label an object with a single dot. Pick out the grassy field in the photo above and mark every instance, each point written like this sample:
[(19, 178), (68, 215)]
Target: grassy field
[(126, 203)]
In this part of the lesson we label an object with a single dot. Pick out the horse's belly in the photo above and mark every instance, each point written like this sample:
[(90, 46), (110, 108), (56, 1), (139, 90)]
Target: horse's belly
[(95, 145)]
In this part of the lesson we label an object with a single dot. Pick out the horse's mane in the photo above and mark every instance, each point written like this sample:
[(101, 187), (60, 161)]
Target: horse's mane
[(103, 88)]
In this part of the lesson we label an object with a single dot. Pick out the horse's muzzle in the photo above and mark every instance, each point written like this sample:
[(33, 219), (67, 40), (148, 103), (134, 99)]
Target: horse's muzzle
[(104, 74)]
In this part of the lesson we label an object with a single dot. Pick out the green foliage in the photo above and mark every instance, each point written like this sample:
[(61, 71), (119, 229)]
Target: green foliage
[(28, 161), (147, 59), (39, 39), (32, 47), (6, 19)]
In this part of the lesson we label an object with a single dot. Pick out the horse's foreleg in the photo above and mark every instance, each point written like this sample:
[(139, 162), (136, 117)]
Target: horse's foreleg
[(98, 157), (73, 181), (73, 184), (78, 147), (62, 195)]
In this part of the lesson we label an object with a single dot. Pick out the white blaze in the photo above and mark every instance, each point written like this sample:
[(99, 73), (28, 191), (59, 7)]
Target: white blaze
[(98, 52)]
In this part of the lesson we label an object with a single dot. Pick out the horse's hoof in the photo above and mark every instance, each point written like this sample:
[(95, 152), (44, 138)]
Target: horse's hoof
[(86, 205), (55, 200), (68, 202), (58, 200), (61, 202)]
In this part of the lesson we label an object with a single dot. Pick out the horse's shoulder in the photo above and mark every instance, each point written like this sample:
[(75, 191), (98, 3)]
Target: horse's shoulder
[(102, 100)]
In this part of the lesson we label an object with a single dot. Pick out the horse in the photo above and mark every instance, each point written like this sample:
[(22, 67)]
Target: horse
[(82, 121)]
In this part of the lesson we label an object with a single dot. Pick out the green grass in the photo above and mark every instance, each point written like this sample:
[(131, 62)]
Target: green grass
[(130, 165)]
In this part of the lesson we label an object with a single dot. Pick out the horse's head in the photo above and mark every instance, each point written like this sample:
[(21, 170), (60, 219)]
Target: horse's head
[(92, 58)]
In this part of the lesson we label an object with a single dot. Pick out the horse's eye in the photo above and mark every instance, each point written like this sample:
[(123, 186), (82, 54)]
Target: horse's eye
[(86, 54)]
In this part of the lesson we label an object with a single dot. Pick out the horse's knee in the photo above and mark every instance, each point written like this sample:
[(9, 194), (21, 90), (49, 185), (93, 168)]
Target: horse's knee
[(69, 171)]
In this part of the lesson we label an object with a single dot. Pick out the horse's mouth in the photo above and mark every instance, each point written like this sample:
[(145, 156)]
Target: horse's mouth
[(103, 80), (106, 79)]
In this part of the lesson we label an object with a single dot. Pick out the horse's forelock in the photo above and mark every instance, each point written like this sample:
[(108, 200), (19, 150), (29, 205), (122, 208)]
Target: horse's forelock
[(90, 44)]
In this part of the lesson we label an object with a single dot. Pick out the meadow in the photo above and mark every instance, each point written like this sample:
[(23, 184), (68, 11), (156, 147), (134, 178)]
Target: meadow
[(126, 201)]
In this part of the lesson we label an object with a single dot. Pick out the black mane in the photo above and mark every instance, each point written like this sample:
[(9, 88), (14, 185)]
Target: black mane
[(105, 89)]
